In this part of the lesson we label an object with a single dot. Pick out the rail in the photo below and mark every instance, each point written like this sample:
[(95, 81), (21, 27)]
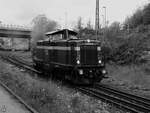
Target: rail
[(19, 62), (132, 103), (122, 99), (13, 94)]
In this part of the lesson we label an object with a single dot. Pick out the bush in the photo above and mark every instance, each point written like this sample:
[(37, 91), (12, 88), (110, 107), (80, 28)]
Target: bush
[(131, 50), (41, 25)]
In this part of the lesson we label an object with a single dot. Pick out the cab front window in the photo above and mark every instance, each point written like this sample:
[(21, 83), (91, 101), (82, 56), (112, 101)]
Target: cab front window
[(72, 36)]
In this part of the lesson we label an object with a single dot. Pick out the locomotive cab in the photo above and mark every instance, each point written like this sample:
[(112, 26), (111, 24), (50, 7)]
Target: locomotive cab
[(78, 60), (62, 35)]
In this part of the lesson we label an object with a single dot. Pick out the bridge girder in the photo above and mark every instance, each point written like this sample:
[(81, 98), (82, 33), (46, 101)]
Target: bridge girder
[(6, 33)]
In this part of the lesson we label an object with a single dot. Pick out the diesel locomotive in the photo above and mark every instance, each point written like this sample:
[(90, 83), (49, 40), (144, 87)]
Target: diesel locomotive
[(77, 60)]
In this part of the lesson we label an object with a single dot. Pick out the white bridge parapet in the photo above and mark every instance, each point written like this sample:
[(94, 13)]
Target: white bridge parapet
[(15, 27)]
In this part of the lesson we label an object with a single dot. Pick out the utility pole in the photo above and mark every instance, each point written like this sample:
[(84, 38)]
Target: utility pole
[(103, 21), (105, 16), (105, 24), (97, 19)]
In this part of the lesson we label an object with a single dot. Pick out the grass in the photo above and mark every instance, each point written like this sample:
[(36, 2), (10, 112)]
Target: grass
[(133, 77), (49, 97), (24, 55)]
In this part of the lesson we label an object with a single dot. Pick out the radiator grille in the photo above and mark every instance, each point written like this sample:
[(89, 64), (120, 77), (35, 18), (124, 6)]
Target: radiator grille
[(88, 55)]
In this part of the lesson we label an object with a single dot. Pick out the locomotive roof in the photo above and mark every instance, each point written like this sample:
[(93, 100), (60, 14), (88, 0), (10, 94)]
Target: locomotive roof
[(61, 32)]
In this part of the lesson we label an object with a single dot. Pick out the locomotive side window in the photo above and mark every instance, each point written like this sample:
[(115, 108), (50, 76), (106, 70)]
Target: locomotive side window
[(72, 36), (50, 38), (57, 37)]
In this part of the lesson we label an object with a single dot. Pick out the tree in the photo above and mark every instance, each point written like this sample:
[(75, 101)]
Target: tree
[(79, 24), (41, 25), (146, 14), (115, 26), (79, 27), (113, 32), (89, 25), (135, 20), (127, 23)]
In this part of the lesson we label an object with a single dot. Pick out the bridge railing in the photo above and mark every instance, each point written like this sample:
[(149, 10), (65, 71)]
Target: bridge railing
[(14, 27)]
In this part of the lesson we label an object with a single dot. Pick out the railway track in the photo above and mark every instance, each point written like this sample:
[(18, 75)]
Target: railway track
[(21, 64), (132, 103), (30, 109), (127, 96), (18, 62)]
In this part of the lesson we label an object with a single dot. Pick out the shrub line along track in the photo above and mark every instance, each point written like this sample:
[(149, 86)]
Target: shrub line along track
[(11, 92), (127, 101)]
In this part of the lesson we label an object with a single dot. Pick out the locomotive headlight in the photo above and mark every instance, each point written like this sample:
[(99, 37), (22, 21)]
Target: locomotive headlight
[(98, 48), (78, 54), (81, 72), (78, 62), (99, 61), (104, 71), (88, 40)]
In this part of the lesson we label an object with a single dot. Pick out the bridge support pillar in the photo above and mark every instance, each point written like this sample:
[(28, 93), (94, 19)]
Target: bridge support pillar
[(12, 44), (29, 44)]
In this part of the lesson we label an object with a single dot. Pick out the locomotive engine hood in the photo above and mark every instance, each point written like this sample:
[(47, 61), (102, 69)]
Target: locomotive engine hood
[(85, 42), (88, 52)]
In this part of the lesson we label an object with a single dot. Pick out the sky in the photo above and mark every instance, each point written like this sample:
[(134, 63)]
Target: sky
[(21, 12)]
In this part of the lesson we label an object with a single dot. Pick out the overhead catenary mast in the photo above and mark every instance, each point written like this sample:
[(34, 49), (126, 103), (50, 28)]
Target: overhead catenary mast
[(97, 18)]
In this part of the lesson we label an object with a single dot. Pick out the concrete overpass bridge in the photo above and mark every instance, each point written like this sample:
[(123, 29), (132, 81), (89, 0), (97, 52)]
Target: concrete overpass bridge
[(15, 33)]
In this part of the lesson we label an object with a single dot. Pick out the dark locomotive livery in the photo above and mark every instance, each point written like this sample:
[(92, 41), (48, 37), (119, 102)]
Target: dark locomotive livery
[(74, 59)]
